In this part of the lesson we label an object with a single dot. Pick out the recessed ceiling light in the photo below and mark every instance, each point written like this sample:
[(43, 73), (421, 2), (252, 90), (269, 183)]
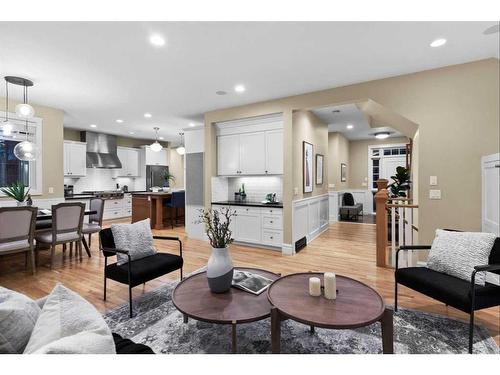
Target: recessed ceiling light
[(438, 42), (148, 115), (131, 133), (157, 40), (120, 121), (221, 92), (239, 88), (492, 29), (349, 126), (93, 125), (192, 124), (382, 135), (161, 138)]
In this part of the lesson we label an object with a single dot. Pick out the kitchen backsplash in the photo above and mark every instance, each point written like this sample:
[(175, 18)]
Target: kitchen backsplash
[(256, 187), (101, 179)]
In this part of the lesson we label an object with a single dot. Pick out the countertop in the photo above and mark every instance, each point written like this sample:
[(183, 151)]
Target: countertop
[(248, 204), (150, 193)]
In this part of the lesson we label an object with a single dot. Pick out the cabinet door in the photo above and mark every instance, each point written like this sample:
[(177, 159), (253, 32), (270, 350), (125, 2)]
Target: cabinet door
[(67, 153), (133, 163), (156, 158), (274, 152), (228, 155), (77, 159), (123, 156), (248, 225), (253, 153)]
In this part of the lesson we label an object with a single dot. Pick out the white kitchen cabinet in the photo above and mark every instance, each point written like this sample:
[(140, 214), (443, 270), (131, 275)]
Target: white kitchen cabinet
[(129, 157), (228, 155), (254, 153), (156, 158), (248, 225), (75, 159), (274, 152)]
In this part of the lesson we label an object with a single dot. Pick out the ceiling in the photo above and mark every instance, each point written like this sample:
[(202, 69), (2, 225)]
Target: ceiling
[(98, 72), (350, 115)]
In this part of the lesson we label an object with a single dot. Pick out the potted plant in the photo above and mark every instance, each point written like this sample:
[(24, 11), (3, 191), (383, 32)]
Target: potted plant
[(16, 191), (169, 178), (219, 266), (401, 183)]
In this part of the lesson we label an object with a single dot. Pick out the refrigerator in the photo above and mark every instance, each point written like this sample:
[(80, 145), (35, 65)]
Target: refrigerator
[(155, 176)]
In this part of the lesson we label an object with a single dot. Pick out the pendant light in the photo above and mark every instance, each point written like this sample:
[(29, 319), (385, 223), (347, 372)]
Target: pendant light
[(23, 110), (181, 150), (26, 150), (156, 146), (6, 125)]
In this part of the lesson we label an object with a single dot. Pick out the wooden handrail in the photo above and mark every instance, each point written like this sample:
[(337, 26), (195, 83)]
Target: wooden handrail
[(389, 205), (400, 199)]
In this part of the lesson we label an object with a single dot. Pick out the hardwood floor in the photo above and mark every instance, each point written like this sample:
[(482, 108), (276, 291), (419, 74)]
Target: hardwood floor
[(345, 249)]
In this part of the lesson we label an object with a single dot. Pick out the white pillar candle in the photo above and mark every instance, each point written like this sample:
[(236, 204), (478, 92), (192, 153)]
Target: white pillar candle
[(314, 286), (330, 285)]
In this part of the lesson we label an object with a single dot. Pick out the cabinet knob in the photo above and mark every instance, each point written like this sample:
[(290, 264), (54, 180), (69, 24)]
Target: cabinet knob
[(266, 171), (271, 221), (271, 237)]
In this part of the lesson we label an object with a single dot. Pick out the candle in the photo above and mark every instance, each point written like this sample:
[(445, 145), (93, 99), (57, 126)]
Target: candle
[(314, 286), (330, 285)]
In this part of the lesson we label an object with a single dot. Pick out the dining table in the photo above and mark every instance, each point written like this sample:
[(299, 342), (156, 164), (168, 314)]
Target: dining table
[(44, 215)]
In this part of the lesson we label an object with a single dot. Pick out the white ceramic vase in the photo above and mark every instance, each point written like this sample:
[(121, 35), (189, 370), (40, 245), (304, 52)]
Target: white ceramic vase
[(220, 270)]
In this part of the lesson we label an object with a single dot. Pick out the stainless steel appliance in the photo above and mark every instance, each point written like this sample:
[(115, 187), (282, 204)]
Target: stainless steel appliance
[(106, 194), (155, 176), (101, 150)]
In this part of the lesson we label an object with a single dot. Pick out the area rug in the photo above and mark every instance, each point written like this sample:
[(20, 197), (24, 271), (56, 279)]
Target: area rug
[(158, 324)]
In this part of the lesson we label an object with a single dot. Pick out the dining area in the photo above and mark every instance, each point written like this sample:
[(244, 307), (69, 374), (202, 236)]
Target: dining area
[(56, 231)]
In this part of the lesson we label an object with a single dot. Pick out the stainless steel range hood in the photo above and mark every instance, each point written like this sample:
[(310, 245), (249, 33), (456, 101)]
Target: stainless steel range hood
[(101, 150)]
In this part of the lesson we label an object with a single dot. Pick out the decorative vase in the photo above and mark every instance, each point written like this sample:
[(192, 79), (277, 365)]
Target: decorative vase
[(220, 270), (21, 204)]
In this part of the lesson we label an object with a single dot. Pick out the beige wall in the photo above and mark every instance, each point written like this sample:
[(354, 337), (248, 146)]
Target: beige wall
[(457, 111), (52, 148), (358, 159), (338, 152), (177, 168)]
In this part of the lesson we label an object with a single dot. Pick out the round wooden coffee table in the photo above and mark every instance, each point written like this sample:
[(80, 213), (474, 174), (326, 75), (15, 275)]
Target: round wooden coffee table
[(193, 298), (357, 305)]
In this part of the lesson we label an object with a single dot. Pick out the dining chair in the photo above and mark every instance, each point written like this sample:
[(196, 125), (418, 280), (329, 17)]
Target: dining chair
[(95, 220), (17, 228), (177, 201), (67, 222)]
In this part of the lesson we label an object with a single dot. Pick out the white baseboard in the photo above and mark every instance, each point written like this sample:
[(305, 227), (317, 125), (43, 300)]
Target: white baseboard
[(287, 249)]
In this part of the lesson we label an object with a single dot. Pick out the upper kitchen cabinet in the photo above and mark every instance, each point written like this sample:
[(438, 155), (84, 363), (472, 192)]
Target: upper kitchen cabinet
[(75, 159), (250, 147), (156, 158), (129, 157)]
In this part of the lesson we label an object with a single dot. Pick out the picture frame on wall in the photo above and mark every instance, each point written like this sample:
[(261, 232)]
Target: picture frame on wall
[(307, 150), (319, 169), (343, 172)]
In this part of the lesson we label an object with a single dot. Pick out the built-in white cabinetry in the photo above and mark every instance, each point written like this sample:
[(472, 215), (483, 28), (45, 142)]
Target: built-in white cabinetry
[(129, 157), (250, 147), (75, 159), (156, 158), (117, 208), (257, 225)]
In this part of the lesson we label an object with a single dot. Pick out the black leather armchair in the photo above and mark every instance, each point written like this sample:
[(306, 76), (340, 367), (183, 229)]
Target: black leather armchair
[(138, 271), (458, 293)]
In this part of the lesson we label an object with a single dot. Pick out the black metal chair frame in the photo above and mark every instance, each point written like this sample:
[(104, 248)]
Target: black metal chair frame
[(129, 267), (481, 268)]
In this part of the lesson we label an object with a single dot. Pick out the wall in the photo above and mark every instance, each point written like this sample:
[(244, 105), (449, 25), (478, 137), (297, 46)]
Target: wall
[(74, 135), (338, 152), (308, 127), (358, 159), (176, 167), (52, 148), (456, 108)]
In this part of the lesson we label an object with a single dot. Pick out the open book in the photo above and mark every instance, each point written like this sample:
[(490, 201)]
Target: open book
[(250, 282)]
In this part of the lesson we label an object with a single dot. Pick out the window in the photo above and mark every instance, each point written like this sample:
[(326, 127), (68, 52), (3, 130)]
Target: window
[(381, 162), (11, 168)]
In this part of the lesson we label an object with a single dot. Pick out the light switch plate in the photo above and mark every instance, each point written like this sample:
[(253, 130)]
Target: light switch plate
[(433, 181), (331, 186), (51, 190), (364, 184), (434, 194)]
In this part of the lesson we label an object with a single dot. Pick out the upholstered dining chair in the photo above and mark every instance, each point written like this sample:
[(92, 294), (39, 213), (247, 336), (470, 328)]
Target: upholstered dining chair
[(174, 204), (95, 220), (17, 228), (67, 222)]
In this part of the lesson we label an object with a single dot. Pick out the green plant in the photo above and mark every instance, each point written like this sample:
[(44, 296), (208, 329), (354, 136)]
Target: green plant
[(401, 182), (16, 191), (217, 224), (169, 177)]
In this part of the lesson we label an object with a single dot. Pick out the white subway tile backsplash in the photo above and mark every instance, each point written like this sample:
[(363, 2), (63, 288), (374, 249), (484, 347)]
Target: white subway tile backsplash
[(219, 189), (98, 179), (256, 187)]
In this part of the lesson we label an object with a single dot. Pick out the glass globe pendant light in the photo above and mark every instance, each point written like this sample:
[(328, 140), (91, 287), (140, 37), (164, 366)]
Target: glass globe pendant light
[(181, 150), (156, 146), (26, 150)]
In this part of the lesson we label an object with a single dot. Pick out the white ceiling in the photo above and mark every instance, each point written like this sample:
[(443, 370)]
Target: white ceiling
[(350, 115), (98, 72)]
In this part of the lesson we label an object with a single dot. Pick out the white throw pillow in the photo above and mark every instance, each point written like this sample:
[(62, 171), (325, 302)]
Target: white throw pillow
[(68, 324), (18, 315), (457, 253), (136, 238)]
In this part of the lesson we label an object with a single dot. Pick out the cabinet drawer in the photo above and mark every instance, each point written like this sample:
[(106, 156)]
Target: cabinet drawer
[(112, 214), (246, 211), (272, 238), (272, 222), (272, 211)]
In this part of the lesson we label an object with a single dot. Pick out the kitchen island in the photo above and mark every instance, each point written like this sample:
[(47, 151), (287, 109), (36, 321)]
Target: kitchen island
[(150, 205)]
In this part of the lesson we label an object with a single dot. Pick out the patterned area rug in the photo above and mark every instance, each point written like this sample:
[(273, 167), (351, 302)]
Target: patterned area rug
[(158, 324)]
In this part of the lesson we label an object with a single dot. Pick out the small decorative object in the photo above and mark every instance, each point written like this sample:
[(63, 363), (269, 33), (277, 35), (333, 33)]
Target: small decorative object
[(169, 177), (220, 266), (29, 201), (243, 194), (330, 282), (319, 169), (307, 166), (16, 191), (343, 172), (314, 286), (401, 183)]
